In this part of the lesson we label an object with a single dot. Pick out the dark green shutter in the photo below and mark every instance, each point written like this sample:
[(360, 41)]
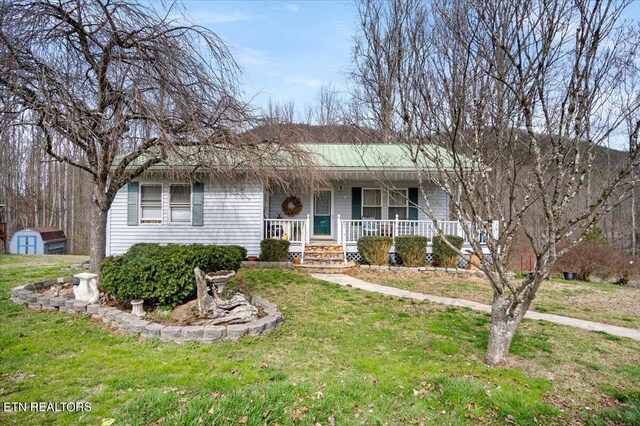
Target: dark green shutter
[(197, 204), (356, 203), (413, 203), (132, 203)]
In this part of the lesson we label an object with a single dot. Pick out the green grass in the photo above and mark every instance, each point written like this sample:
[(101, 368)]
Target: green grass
[(342, 354), (600, 302)]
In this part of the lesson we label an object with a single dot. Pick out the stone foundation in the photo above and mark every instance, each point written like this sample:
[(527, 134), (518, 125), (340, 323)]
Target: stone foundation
[(29, 296)]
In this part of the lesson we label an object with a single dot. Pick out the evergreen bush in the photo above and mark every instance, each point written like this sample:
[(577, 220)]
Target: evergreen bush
[(411, 249), (443, 255), (375, 250), (163, 274), (274, 250)]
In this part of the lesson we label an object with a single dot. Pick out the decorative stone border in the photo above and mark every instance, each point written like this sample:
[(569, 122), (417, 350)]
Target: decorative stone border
[(422, 269), (29, 296)]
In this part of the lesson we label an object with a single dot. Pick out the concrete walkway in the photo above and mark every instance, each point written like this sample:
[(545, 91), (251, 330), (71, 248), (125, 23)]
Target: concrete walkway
[(348, 281)]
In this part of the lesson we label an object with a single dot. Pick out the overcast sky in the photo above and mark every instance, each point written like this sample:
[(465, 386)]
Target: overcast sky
[(287, 49)]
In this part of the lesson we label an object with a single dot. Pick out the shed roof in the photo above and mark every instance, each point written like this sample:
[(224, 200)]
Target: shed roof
[(49, 234)]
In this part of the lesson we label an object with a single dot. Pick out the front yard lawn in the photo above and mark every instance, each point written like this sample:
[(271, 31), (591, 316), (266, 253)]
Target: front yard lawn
[(600, 302), (343, 356)]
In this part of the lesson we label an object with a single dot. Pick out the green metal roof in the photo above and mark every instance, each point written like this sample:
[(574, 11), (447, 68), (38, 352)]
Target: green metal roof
[(340, 156), (370, 156)]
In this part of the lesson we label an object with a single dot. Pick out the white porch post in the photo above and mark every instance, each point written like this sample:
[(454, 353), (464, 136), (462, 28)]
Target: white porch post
[(308, 232), (395, 231), (339, 230)]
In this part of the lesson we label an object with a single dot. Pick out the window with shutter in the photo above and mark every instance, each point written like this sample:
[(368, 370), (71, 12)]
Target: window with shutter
[(372, 203), (151, 203), (180, 204)]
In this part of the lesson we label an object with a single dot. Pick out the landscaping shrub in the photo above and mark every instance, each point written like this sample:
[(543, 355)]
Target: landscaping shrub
[(585, 259), (242, 252), (163, 274), (375, 250), (605, 262), (274, 250), (443, 255), (411, 249)]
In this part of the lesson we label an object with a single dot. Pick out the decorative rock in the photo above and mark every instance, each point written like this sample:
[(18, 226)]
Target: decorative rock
[(236, 331), (80, 306), (138, 326), (133, 324), (270, 324), (170, 332), (102, 310), (124, 319), (257, 327), (192, 332), (57, 301), (93, 308), (214, 332), (279, 320), (152, 330), (24, 294)]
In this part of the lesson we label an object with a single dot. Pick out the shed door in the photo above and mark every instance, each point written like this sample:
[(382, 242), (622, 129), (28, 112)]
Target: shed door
[(27, 244)]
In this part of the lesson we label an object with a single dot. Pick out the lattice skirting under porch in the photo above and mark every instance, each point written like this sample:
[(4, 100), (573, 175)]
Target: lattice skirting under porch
[(393, 258), (354, 256), (293, 254)]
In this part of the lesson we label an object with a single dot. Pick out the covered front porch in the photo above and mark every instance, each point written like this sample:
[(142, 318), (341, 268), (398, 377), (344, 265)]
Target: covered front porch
[(300, 233), (355, 205)]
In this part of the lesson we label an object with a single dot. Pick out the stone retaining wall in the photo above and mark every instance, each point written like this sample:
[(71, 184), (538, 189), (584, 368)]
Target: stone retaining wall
[(29, 296)]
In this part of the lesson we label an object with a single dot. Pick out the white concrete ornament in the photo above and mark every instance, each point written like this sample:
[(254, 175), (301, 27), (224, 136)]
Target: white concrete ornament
[(86, 290)]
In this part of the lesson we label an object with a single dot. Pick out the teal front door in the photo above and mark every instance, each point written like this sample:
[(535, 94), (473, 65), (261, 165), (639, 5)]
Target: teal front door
[(322, 213)]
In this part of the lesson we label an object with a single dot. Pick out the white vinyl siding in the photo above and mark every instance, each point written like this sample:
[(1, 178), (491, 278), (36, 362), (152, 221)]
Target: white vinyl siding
[(230, 216)]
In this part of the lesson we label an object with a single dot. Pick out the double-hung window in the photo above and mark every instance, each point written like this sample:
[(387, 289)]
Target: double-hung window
[(151, 203), (180, 204), (372, 203), (398, 203)]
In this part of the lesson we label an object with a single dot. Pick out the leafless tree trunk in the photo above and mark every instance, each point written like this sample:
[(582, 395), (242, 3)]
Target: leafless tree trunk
[(124, 89), (507, 105)]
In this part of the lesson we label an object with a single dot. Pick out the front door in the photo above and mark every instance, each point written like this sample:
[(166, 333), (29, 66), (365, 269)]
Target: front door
[(322, 213)]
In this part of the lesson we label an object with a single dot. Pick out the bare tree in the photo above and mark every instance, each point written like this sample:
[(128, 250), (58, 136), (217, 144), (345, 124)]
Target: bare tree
[(327, 108), (125, 88), (506, 105)]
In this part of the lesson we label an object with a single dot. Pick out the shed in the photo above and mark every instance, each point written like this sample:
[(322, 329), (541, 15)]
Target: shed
[(39, 240)]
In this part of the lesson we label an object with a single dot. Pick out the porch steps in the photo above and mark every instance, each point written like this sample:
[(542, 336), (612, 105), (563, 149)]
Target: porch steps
[(323, 254), (326, 257)]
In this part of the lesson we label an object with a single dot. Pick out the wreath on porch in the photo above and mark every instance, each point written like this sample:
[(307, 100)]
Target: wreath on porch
[(291, 206)]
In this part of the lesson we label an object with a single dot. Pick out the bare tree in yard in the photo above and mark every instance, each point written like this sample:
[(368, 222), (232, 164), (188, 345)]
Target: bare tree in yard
[(122, 85), (505, 105)]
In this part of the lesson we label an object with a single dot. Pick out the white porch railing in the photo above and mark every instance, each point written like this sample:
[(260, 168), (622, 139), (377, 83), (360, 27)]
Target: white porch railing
[(349, 231), (297, 231)]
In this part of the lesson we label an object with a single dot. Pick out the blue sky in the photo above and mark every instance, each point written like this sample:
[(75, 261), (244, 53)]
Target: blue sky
[(287, 49)]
